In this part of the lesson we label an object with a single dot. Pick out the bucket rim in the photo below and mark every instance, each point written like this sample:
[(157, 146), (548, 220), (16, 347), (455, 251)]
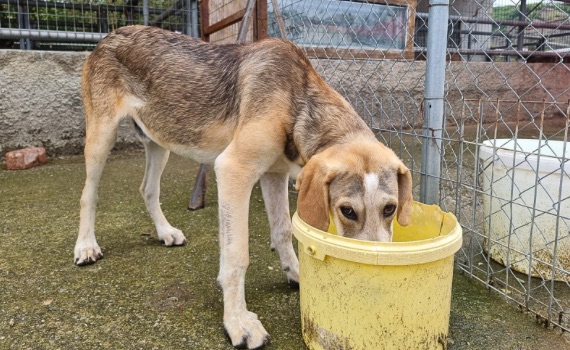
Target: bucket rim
[(320, 244)]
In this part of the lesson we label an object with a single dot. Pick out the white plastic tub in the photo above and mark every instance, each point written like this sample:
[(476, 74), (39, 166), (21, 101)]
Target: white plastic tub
[(526, 188)]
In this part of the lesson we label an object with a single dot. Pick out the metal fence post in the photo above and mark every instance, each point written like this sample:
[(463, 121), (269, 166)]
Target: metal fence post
[(192, 18), (24, 22), (145, 12), (434, 101), (195, 22)]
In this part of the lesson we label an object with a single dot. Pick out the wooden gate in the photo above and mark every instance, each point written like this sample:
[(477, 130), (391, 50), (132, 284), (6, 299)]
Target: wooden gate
[(221, 19)]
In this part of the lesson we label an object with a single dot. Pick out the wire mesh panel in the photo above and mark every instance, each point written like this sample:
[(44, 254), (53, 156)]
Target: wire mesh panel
[(503, 152), (505, 174), (506, 178), (78, 24)]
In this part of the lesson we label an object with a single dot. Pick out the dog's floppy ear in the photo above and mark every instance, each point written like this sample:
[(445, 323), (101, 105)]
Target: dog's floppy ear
[(313, 188), (404, 195)]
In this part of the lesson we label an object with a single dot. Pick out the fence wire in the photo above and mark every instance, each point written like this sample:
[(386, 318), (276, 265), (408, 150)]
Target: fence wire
[(79, 24), (504, 158), (504, 173)]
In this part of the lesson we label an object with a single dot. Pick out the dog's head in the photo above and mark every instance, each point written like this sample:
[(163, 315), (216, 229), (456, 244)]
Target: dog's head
[(361, 186)]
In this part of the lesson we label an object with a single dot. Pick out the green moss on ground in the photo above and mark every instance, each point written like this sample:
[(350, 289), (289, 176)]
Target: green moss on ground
[(146, 296)]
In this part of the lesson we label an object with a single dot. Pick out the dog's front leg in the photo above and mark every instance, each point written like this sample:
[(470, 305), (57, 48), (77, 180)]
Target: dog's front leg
[(235, 182)]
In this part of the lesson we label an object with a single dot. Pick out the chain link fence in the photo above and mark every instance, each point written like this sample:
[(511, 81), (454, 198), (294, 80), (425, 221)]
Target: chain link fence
[(502, 142), (503, 145)]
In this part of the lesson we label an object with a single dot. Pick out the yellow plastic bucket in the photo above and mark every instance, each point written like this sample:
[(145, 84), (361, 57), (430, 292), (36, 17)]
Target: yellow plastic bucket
[(372, 295)]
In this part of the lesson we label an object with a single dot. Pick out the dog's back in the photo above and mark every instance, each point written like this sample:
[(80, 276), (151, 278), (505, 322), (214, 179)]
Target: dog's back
[(191, 97), (179, 90)]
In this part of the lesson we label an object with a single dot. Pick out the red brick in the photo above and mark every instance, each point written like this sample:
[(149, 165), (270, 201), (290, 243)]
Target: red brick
[(25, 158)]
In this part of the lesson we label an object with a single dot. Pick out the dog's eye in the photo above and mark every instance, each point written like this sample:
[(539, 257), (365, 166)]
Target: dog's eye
[(389, 210), (349, 213)]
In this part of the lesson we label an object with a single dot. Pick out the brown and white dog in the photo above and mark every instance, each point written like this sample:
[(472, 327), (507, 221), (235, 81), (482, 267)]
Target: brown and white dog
[(259, 112)]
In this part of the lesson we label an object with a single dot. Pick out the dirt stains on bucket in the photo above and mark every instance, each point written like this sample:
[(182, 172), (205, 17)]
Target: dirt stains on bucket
[(442, 340), (326, 339)]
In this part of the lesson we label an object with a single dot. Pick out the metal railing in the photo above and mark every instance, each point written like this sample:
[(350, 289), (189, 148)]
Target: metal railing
[(38, 24)]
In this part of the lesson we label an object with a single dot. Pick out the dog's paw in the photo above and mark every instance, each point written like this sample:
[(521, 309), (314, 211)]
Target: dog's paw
[(292, 272), (171, 237), (87, 254), (246, 331), (294, 284)]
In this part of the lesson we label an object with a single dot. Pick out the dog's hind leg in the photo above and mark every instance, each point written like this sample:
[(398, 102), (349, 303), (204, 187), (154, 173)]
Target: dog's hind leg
[(274, 187), (99, 140), (156, 159)]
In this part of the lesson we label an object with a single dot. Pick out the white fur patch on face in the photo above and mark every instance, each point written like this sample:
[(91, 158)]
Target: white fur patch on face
[(371, 183)]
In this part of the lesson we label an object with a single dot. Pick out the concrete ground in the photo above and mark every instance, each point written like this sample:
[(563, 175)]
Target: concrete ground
[(145, 296)]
